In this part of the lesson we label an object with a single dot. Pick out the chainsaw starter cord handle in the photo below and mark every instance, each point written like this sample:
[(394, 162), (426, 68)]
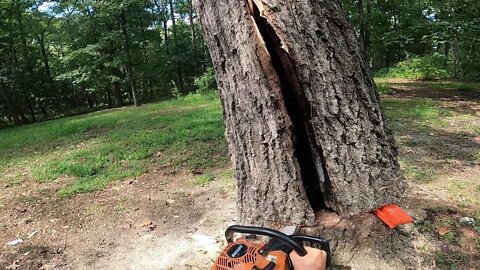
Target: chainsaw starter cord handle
[(287, 240)]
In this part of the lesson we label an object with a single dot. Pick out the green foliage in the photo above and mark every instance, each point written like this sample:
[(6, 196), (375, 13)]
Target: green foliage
[(447, 261), (206, 83), (98, 148), (204, 180), (384, 88), (442, 37), (420, 174), (60, 57), (431, 67)]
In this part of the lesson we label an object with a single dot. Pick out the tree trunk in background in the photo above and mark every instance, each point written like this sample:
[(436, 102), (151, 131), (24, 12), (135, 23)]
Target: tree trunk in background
[(28, 75), (117, 94), (181, 84), (10, 106), (456, 56), (365, 28), (163, 15), (368, 33), (130, 70), (145, 59), (192, 32), (116, 89), (165, 25), (109, 98), (41, 41), (302, 113), (172, 17), (30, 109)]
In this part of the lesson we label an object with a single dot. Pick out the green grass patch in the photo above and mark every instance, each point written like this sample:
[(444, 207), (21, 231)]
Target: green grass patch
[(447, 261), (102, 147), (419, 174), (425, 226), (204, 180), (384, 88), (385, 84), (419, 111), (462, 86)]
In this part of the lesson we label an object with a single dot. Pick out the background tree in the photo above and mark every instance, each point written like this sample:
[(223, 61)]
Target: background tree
[(68, 57)]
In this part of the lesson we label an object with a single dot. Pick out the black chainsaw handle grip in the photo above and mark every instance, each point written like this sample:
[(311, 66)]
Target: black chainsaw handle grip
[(287, 240)]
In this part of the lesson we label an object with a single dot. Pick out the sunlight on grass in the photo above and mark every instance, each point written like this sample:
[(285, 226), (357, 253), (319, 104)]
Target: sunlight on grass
[(112, 145), (464, 86), (419, 111)]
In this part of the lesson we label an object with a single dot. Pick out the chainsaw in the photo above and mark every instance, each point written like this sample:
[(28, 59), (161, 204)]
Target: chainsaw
[(251, 252)]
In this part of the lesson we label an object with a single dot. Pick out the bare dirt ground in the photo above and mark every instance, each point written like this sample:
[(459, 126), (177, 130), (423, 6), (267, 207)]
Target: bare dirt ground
[(163, 220)]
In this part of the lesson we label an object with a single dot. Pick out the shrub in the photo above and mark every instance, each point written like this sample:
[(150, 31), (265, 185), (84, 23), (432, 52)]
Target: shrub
[(430, 67), (206, 83)]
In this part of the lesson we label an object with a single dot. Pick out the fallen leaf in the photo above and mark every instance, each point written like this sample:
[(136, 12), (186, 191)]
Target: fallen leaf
[(148, 225), (444, 230)]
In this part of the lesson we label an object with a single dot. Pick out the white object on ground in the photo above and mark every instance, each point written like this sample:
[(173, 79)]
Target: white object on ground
[(14, 242), (467, 221)]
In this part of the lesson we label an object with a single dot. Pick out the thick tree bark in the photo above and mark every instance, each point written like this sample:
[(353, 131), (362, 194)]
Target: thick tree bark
[(301, 111)]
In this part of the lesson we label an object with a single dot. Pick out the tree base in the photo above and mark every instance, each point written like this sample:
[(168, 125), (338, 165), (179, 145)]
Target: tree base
[(364, 242)]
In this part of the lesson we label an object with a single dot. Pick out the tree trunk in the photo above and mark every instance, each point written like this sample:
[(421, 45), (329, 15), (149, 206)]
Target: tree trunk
[(368, 33), (30, 109), (302, 113), (41, 41), (130, 70), (172, 17), (192, 33), (90, 100), (10, 106), (163, 15), (117, 94), (109, 98), (365, 27)]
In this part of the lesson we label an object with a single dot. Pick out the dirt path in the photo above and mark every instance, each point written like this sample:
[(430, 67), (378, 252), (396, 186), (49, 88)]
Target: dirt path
[(159, 221)]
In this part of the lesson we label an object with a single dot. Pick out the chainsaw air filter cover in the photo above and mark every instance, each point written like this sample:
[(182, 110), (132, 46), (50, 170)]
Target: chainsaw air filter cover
[(245, 254)]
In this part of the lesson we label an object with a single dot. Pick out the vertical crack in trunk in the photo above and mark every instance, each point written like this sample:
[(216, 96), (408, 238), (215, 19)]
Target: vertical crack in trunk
[(307, 152)]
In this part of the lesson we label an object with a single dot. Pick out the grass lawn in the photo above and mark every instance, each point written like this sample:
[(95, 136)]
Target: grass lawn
[(95, 149), (89, 151)]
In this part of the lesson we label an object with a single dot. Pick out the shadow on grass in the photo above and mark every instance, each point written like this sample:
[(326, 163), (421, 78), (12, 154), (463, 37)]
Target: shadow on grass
[(428, 138), (426, 153)]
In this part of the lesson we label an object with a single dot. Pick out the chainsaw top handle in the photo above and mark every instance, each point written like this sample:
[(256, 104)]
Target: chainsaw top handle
[(287, 240)]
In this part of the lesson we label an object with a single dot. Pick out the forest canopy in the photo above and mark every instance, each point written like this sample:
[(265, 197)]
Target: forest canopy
[(68, 57)]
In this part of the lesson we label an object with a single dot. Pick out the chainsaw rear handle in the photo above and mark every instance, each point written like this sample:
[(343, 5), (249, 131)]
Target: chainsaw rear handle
[(287, 240)]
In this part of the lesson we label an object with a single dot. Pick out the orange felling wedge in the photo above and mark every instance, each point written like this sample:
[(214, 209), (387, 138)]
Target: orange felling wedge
[(393, 215)]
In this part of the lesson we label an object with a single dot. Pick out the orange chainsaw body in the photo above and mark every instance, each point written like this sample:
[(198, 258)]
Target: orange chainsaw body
[(244, 254)]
